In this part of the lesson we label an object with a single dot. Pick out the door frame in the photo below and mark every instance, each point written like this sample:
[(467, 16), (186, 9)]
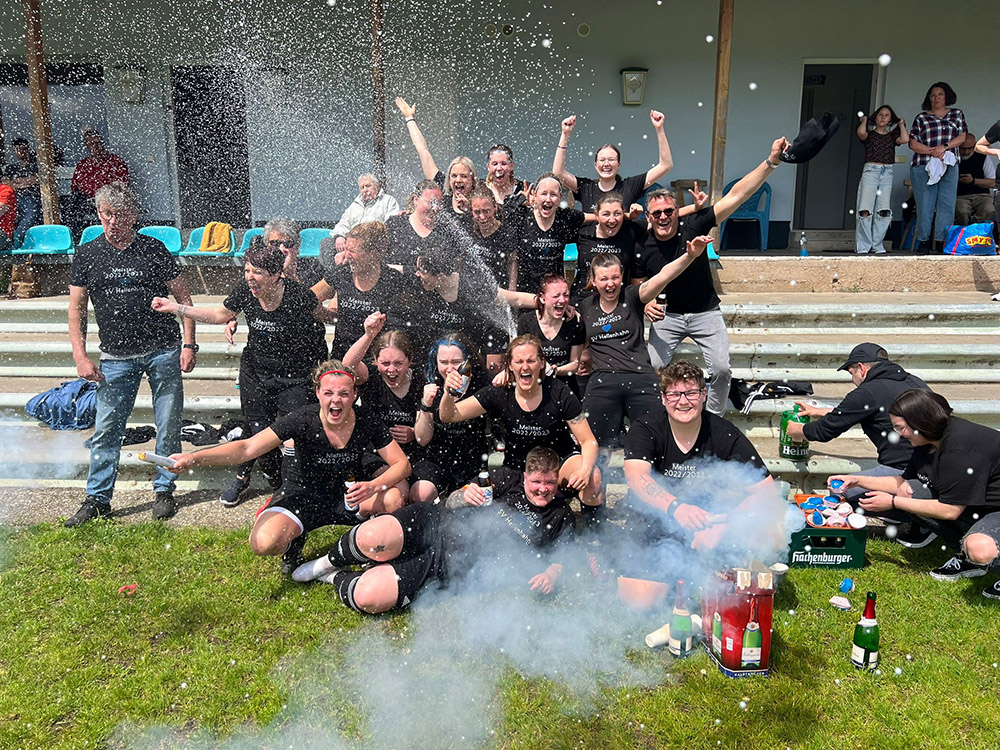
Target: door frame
[(878, 94)]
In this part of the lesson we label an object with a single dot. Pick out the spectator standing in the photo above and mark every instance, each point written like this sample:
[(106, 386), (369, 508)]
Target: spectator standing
[(24, 180), (92, 173), (880, 133), (8, 211), (936, 132), (121, 272)]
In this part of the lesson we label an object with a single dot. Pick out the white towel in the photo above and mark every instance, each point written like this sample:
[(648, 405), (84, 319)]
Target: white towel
[(937, 167)]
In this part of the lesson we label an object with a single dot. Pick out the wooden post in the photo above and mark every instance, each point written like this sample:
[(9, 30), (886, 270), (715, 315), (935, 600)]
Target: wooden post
[(40, 112), (378, 90), (724, 49)]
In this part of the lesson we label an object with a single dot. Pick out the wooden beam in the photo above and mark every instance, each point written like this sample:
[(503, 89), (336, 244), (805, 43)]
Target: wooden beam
[(378, 90), (40, 113), (724, 49)]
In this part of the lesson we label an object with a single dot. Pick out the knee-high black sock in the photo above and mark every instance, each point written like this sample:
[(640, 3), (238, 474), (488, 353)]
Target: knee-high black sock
[(346, 551), (594, 517), (345, 581)]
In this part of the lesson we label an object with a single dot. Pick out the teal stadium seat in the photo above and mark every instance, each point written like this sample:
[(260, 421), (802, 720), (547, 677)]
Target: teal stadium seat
[(570, 253), (169, 236), (247, 237), (311, 237), (47, 239), (750, 210), (194, 242), (90, 234)]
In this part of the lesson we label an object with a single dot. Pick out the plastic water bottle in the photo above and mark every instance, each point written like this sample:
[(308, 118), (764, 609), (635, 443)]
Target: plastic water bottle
[(803, 246)]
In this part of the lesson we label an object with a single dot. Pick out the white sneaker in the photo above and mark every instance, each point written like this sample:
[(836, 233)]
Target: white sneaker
[(310, 571)]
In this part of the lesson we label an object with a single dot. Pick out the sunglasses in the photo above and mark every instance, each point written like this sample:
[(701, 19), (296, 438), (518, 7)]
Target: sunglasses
[(668, 212)]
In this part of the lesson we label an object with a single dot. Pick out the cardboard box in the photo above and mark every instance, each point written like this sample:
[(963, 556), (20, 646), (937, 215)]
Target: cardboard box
[(731, 595)]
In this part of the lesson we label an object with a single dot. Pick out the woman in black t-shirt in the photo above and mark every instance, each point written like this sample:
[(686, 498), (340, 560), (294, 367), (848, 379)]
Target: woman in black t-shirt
[(500, 174), (286, 339), (324, 485), (561, 336), (412, 233), (459, 179), (537, 410), (454, 453), (613, 234), (951, 485), (622, 381), (494, 240)]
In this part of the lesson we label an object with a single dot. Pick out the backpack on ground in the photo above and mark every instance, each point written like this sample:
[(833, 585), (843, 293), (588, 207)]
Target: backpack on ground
[(68, 406)]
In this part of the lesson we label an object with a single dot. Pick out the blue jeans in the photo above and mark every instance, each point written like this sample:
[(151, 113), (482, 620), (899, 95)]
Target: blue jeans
[(931, 199), (29, 211), (115, 400), (874, 191)]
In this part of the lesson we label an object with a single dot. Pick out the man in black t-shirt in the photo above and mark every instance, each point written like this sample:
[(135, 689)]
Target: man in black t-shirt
[(121, 272), (671, 505), (690, 307)]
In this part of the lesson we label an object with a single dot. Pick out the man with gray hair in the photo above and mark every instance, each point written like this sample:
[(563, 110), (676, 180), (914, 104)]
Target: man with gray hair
[(372, 204), (121, 271)]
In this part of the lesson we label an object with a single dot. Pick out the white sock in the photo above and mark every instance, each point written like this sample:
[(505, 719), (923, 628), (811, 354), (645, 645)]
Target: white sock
[(313, 569)]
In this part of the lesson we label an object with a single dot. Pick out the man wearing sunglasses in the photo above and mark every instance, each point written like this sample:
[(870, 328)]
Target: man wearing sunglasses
[(689, 306)]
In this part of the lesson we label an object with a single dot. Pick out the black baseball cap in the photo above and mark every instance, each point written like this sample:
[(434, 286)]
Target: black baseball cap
[(864, 353)]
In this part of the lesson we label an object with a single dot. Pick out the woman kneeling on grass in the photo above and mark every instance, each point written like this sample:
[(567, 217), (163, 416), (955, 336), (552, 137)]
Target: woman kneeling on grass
[(424, 542), (319, 488)]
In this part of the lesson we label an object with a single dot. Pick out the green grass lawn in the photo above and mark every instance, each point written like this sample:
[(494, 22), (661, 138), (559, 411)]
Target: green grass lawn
[(215, 649)]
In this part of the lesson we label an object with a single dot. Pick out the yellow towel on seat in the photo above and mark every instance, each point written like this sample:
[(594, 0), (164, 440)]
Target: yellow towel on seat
[(217, 238)]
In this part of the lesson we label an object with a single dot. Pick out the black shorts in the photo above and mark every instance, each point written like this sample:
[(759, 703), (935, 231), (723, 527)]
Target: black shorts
[(652, 547), (422, 556), (265, 396), (612, 395), (447, 479), (310, 509)]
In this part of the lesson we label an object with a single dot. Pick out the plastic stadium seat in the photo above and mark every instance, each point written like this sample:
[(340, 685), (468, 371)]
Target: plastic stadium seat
[(194, 242), (169, 236), (311, 237), (750, 210), (47, 239), (90, 233), (570, 253), (247, 236)]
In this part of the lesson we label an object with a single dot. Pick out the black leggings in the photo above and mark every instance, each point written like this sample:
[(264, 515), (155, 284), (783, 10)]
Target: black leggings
[(612, 395), (264, 397)]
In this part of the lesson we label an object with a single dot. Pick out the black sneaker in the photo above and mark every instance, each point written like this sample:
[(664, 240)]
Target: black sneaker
[(92, 508), (291, 558), (164, 506), (230, 496), (916, 536), (992, 592), (958, 567)]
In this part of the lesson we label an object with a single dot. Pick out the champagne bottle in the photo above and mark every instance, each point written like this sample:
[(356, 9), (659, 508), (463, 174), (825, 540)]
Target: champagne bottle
[(752, 640), (348, 483), (465, 370), (864, 652), (681, 629), (484, 482), (717, 634)]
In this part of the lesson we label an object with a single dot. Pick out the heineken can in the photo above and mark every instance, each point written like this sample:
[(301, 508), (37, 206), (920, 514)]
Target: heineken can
[(790, 448)]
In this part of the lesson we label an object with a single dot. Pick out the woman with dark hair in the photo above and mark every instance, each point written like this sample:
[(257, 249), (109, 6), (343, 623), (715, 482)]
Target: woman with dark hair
[(494, 241), (324, 485), (880, 133), (607, 162), (500, 174), (457, 181), (420, 228), (623, 381), (560, 334), (951, 485), (534, 410), (286, 339), (936, 132), (612, 234), (455, 452)]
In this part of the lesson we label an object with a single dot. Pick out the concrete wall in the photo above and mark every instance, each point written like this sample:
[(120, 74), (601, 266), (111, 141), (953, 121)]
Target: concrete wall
[(307, 80)]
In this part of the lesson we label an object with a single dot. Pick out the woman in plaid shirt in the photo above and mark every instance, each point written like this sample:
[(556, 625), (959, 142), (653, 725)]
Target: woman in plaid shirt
[(938, 129)]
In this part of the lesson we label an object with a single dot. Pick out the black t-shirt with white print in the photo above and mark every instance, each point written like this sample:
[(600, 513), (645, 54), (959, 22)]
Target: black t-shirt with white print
[(393, 410), (405, 244), (388, 296), (588, 245), (558, 349), (473, 312), (318, 466), (540, 251), (288, 340), (524, 430), (693, 291), (616, 340), (588, 190), (121, 284)]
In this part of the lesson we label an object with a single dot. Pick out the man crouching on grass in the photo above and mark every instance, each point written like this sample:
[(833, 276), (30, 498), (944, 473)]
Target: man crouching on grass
[(425, 542)]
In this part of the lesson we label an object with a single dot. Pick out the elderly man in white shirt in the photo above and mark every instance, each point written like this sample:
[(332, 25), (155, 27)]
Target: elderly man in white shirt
[(371, 204)]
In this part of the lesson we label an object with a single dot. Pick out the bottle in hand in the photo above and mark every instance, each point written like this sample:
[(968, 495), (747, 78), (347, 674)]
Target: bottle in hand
[(864, 650), (484, 481), (348, 483), (465, 370)]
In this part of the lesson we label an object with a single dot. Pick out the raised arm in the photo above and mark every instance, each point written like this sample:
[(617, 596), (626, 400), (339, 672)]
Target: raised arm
[(862, 130), (232, 453), (467, 408), (652, 286), (749, 184), (983, 147), (559, 160), (355, 356), (516, 299), (427, 163), (904, 134), (666, 162)]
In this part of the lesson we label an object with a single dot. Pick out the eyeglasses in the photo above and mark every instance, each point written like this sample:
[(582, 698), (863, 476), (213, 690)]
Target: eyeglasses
[(674, 396), (283, 243), (668, 212)]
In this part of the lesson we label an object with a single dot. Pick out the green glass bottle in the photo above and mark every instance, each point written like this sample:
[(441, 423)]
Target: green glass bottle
[(681, 629), (753, 641), (864, 652), (717, 634)]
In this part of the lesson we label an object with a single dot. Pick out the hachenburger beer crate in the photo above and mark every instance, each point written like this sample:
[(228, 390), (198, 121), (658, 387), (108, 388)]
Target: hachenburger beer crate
[(828, 548)]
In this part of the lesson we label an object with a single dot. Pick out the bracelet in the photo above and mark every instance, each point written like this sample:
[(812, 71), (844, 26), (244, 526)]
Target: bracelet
[(672, 508), (894, 502), (410, 119), (562, 147), (769, 164), (425, 408)]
